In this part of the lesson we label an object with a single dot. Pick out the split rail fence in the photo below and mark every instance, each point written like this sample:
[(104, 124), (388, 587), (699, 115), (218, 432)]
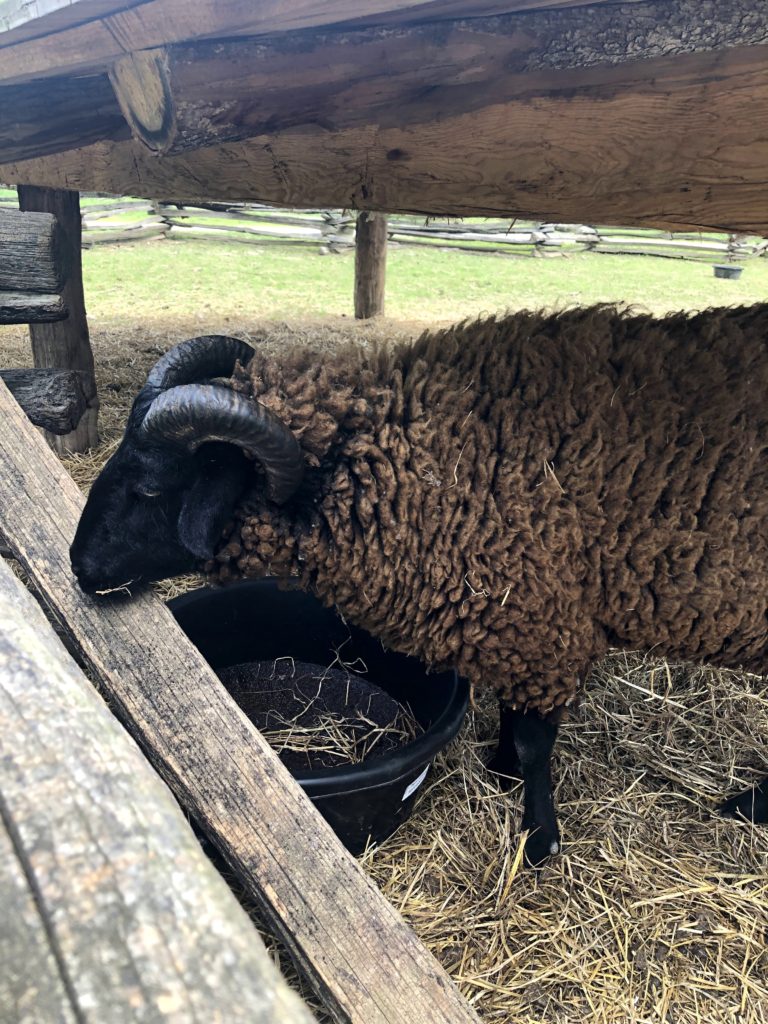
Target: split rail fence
[(116, 220)]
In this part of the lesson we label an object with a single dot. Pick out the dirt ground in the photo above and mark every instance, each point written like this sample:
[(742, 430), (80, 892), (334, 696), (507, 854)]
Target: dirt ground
[(657, 908)]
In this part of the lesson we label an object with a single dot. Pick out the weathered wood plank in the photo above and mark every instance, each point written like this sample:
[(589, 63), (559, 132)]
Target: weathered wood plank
[(32, 990), (35, 253), (560, 150), (52, 399), (66, 345), (360, 955), (31, 308), (137, 922), (66, 42), (370, 264)]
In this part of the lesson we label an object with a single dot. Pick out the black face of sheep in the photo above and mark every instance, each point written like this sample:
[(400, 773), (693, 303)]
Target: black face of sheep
[(160, 503), (150, 516)]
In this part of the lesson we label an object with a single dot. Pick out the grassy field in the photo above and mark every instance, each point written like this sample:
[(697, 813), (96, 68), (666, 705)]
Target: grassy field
[(217, 282)]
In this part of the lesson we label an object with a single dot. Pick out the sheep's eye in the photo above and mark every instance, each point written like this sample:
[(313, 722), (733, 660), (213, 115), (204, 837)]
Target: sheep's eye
[(147, 494)]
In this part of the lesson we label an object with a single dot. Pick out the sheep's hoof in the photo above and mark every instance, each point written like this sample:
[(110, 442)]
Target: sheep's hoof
[(506, 772), (541, 844), (752, 804)]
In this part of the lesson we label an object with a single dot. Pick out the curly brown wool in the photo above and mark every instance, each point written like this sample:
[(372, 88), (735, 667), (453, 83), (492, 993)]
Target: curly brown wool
[(513, 496)]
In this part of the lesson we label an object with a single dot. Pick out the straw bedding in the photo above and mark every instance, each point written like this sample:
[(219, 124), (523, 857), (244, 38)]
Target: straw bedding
[(657, 910)]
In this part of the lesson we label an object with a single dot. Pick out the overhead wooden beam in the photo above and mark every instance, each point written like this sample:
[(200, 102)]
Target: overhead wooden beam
[(232, 90), (68, 42), (361, 957), (52, 399), (188, 96), (597, 152), (111, 912)]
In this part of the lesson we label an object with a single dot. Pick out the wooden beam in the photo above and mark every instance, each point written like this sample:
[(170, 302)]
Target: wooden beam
[(569, 146), (52, 399), (361, 957), (31, 308), (66, 345), (188, 96), (75, 45), (119, 915), (370, 264), (50, 115), (209, 93), (35, 253)]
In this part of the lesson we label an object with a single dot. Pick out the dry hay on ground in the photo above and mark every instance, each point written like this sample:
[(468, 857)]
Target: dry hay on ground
[(657, 909)]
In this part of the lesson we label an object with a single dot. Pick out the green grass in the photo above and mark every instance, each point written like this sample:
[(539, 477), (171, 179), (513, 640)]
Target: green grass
[(218, 279)]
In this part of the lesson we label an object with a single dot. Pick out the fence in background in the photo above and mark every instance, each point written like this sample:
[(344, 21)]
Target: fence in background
[(114, 220)]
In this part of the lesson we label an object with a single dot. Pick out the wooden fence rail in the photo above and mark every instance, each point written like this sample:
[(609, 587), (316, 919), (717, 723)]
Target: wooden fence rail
[(116, 220)]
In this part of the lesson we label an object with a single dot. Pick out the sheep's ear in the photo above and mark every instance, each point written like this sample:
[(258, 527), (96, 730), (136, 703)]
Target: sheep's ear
[(206, 507)]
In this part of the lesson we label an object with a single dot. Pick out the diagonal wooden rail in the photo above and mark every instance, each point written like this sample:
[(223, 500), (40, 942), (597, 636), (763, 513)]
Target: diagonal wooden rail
[(363, 960)]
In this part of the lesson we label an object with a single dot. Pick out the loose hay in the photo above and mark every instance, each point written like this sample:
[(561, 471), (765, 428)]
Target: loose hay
[(318, 717), (657, 910)]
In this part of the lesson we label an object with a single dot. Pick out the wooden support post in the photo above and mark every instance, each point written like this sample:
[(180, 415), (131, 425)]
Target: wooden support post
[(370, 264), (52, 399), (66, 345), (111, 912), (363, 960)]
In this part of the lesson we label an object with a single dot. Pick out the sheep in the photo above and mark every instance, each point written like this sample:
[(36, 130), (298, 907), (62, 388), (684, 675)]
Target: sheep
[(511, 497)]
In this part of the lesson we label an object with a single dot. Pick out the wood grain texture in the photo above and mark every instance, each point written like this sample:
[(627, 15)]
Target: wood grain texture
[(31, 308), (363, 960), (31, 987), (67, 41), (50, 115), (138, 925), (569, 147), (370, 264), (34, 254), (65, 344), (394, 76), (51, 399)]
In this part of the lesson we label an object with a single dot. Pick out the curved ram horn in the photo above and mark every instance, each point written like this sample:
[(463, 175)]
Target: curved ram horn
[(192, 414), (213, 355)]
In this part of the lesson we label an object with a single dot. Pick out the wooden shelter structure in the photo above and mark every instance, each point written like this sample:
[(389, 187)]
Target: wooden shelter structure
[(647, 112)]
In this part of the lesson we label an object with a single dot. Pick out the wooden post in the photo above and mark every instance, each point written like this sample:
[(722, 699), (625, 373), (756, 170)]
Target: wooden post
[(53, 399), (370, 264), (66, 345), (111, 912), (362, 958)]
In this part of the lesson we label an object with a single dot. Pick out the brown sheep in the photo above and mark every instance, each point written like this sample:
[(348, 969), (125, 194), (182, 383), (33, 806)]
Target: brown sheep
[(514, 496)]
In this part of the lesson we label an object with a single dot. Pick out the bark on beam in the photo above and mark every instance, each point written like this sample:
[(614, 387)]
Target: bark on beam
[(365, 962), (52, 399), (66, 345), (111, 912)]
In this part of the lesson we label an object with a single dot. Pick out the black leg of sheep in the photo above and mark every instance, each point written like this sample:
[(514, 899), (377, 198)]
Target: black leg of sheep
[(525, 748), (752, 804)]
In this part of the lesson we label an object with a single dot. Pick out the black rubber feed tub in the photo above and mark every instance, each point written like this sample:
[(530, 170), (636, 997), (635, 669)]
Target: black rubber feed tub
[(258, 621)]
